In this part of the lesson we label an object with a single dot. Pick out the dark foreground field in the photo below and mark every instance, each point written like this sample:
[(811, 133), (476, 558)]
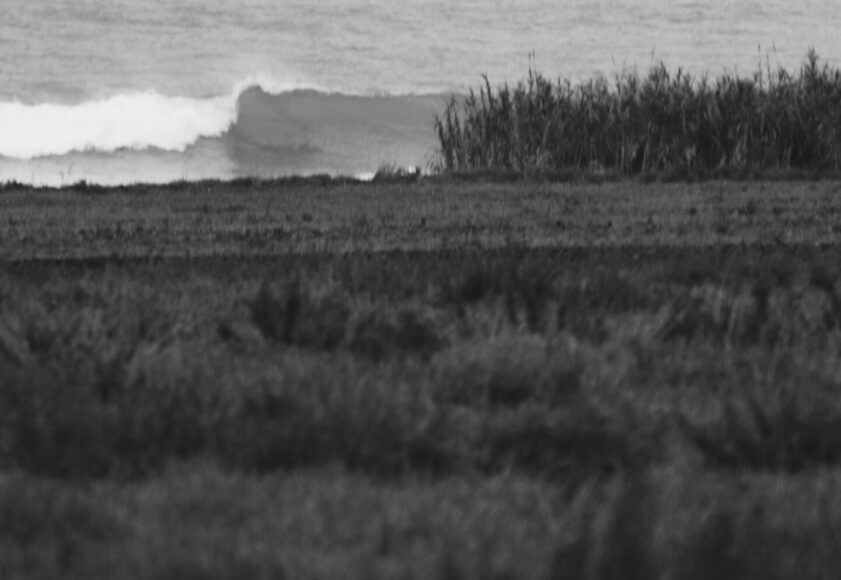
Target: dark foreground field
[(422, 381)]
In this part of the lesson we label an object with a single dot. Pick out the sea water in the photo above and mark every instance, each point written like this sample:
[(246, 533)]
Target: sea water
[(120, 91)]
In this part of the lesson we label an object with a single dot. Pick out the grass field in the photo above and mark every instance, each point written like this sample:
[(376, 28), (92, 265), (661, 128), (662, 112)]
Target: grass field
[(324, 379)]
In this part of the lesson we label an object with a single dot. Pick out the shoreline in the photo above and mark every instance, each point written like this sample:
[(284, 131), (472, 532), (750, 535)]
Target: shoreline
[(390, 174)]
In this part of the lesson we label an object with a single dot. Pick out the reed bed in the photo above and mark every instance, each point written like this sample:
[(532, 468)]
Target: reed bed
[(664, 122)]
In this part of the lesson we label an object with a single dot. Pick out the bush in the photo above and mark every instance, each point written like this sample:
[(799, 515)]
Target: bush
[(326, 321), (506, 371), (120, 420), (785, 435), (358, 420), (52, 528), (574, 444)]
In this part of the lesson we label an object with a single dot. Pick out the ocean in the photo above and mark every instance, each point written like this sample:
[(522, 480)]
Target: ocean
[(122, 91)]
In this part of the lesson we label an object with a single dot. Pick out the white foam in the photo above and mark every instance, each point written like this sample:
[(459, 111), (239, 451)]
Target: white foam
[(139, 121), (132, 121)]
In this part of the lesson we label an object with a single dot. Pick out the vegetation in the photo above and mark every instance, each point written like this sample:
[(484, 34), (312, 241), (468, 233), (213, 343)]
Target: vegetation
[(665, 123), (280, 388)]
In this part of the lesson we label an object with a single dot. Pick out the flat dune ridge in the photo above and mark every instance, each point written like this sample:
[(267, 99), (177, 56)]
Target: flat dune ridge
[(328, 379)]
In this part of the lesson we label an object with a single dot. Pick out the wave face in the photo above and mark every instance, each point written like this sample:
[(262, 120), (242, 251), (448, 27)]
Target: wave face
[(331, 133), (254, 132)]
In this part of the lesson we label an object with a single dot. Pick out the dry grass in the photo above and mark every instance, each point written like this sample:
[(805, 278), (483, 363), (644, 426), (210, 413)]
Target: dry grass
[(472, 411)]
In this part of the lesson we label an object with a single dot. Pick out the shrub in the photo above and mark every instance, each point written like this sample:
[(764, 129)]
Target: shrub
[(506, 371), (327, 321), (276, 316), (49, 529), (125, 419), (574, 443), (358, 420), (378, 332), (786, 435)]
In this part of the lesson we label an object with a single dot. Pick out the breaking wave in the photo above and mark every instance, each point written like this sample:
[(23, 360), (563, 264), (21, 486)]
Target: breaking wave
[(262, 128), (135, 121)]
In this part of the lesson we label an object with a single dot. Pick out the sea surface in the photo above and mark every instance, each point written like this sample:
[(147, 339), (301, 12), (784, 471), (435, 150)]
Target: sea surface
[(120, 91)]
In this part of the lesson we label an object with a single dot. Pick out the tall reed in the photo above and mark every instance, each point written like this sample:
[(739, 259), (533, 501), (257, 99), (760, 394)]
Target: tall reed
[(661, 122)]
